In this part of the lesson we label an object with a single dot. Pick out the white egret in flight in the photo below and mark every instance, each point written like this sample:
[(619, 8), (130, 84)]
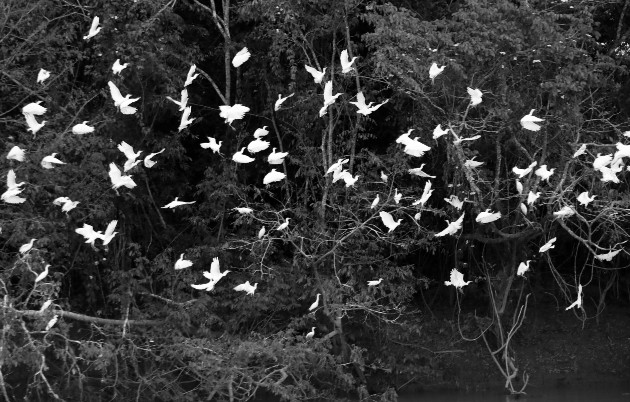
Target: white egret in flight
[(16, 153), (231, 113), (118, 180), (529, 121), (544, 173), (34, 108), (337, 166), (183, 100), (349, 180), (241, 57), (273, 176), (475, 96), (191, 75), (439, 131), (243, 210), (122, 103), (317, 75), (66, 204), (584, 199), (149, 162), (284, 225), (522, 268), (42, 76), (548, 246), (329, 98), (181, 263), (82, 128), (455, 202), (524, 172), (389, 221), (117, 67), (578, 302), (602, 161), (346, 64), (426, 194), (247, 288), (239, 157), (420, 172), (185, 120), (472, 163), (452, 227), (94, 29), (176, 203), (457, 279), (415, 148), (212, 144), (276, 158), (375, 283), (280, 101), (364, 108), (13, 189), (434, 71), (127, 150), (33, 125), (49, 161)]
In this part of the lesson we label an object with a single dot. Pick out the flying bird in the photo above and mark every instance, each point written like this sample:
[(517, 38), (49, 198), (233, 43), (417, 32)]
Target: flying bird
[(608, 256), (241, 57), (350, 180), (183, 100), (49, 161), (239, 157), (337, 166), (66, 204), (261, 132), (584, 199), (548, 246), (185, 120), (34, 108), (366, 109), (257, 145), (16, 153), (524, 172), (420, 172), (317, 75), (439, 131), (215, 274), (82, 128), (453, 227), (389, 221), (131, 156), (532, 197), (426, 194), (375, 283), (117, 67), (434, 71), (280, 101), (149, 162), (472, 163), (231, 113), (94, 29), (181, 263), (329, 98), (564, 212), (247, 288), (33, 125), (346, 64), (457, 280), (602, 161), (243, 210), (455, 202), (176, 203), (118, 179), (212, 144), (190, 77), (122, 103), (543, 173), (529, 121)]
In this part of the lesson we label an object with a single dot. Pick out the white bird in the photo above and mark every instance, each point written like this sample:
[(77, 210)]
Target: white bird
[(122, 102), (13, 189), (522, 268), (149, 162), (176, 203), (452, 227), (548, 246), (34, 108), (329, 98), (524, 172), (186, 120), (532, 197), (340, 175), (578, 302), (523, 208), (280, 101), (48, 161), (426, 194), (82, 128), (584, 199), (276, 158), (602, 161), (472, 163), (375, 202), (487, 216), (337, 166), (564, 212), (389, 221), (16, 153), (346, 64), (397, 196), (247, 288), (455, 202), (257, 145), (284, 225), (529, 121), (190, 77), (459, 140), (580, 151), (42, 76), (183, 100), (608, 256), (273, 176), (42, 275), (623, 151), (434, 71), (94, 29), (241, 57), (131, 156), (543, 173), (109, 234), (384, 177), (317, 75), (349, 180), (53, 320), (243, 210), (239, 157), (366, 109), (609, 174), (420, 172), (215, 274), (212, 144), (87, 231), (261, 132), (475, 96), (261, 232), (519, 186), (208, 287), (118, 180), (311, 334), (25, 248), (181, 263), (117, 67), (375, 283), (315, 303), (231, 113), (416, 148), (44, 306), (33, 125), (439, 131), (457, 279), (404, 138)]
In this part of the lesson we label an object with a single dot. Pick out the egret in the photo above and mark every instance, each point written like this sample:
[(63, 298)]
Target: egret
[(25, 248), (66, 204), (584, 199), (53, 320), (459, 140), (212, 144), (375, 283), (337, 166), (215, 273), (522, 268), (87, 231), (389, 221), (519, 186), (364, 108), (118, 180), (564, 212), (257, 145), (426, 194), (82, 128), (434, 71), (532, 197), (276, 158), (415, 148), (34, 108), (183, 100), (608, 174), (273, 176), (346, 64), (623, 151), (543, 173), (13, 189), (608, 256), (16, 153), (340, 175), (149, 162), (231, 113), (311, 334), (397, 196), (457, 279), (487, 216), (186, 120), (420, 172), (239, 157), (117, 67), (122, 103), (190, 77), (243, 210), (455, 202), (602, 161), (261, 132), (472, 163), (42, 76), (33, 125), (404, 138), (375, 202), (383, 177), (94, 29), (247, 288), (317, 75), (181, 263), (48, 161), (475, 96), (44, 306), (452, 227), (284, 225), (578, 302), (548, 246), (315, 303), (580, 151), (529, 121), (109, 234), (523, 208), (280, 101), (208, 287), (176, 203), (241, 57), (329, 98), (524, 172), (439, 131), (127, 150), (261, 232), (349, 180)]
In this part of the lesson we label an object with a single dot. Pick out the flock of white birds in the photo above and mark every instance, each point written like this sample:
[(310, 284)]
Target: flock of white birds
[(609, 165)]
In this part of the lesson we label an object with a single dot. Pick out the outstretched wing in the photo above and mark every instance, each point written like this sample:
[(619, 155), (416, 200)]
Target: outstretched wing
[(115, 92)]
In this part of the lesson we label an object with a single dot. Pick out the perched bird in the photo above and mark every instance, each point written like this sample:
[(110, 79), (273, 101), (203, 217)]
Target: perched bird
[(48, 161), (25, 248), (273, 176), (117, 67), (280, 101), (580, 151), (452, 227), (608, 256), (131, 156), (44, 306), (284, 225), (548, 246), (315, 303), (34, 108), (602, 161), (16, 153), (455, 202), (383, 177), (389, 221), (261, 232), (33, 125), (472, 163), (397, 196), (122, 103), (522, 268), (524, 172), (118, 180), (434, 71), (41, 277), (584, 199), (185, 120), (543, 173), (241, 57), (183, 100), (239, 157), (375, 283), (564, 212), (375, 202), (439, 131), (53, 320), (487, 216), (532, 197), (519, 186), (529, 121), (42, 76), (212, 144), (231, 113), (276, 158), (87, 231), (457, 279), (578, 302), (149, 162), (176, 203), (523, 208), (190, 77), (475, 96), (317, 75), (261, 132), (243, 210), (247, 288), (609, 174), (346, 64), (82, 128), (257, 145), (350, 180), (420, 172), (94, 29), (181, 263), (329, 98), (366, 109), (311, 334)]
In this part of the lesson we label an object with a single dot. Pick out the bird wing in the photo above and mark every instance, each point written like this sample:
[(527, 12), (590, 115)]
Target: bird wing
[(314, 72), (11, 179), (110, 228), (115, 92), (114, 173), (95, 22), (86, 231), (387, 218), (127, 150), (215, 267), (328, 91), (344, 57)]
